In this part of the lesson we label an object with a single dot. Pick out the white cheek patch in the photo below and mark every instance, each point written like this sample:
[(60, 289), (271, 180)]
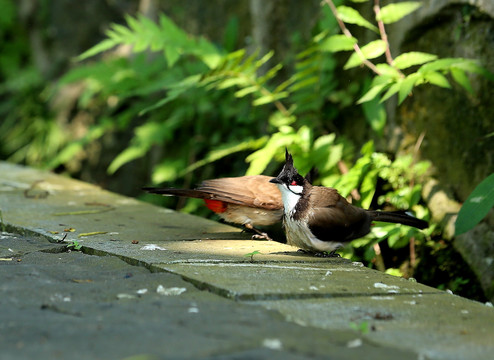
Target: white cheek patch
[(297, 189), (289, 198)]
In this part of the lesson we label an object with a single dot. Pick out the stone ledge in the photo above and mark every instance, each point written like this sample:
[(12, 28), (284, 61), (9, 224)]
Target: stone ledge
[(322, 293)]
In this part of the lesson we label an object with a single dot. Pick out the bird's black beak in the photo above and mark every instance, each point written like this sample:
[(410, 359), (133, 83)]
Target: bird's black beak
[(275, 181)]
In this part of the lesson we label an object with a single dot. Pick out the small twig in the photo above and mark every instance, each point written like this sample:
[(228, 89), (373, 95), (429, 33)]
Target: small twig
[(418, 144), (347, 33), (384, 37), (379, 258), (416, 149), (413, 256), (92, 233)]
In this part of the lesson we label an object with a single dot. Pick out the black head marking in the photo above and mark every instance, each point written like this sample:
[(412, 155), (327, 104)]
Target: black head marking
[(289, 174)]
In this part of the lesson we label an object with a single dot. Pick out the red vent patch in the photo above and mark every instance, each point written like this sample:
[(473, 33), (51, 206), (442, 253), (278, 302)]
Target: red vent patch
[(216, 205)]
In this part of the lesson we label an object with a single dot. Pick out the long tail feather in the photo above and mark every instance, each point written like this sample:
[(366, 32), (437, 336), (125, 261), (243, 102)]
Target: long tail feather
[(179, 192), (398, 217)]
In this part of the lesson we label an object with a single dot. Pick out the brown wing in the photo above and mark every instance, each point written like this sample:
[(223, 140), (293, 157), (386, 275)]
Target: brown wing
[(253, 191), (334, 219)]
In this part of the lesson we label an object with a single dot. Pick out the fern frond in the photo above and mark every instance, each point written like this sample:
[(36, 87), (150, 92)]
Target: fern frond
[(238, 69), (143, 34)]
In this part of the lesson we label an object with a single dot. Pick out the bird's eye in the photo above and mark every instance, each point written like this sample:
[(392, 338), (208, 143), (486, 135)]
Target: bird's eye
[(293, 183)]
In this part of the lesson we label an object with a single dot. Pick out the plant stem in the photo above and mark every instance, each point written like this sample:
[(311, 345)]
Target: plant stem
[(413, 256), (379, 258), (347, 33), (384, 37)]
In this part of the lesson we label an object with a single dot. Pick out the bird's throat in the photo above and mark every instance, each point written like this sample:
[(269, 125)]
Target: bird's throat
[(290, 199)]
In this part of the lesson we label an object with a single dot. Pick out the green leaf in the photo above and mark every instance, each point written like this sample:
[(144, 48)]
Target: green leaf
[(374, 49), (352, 16), (98, 48), (473, 67), (225, 150), (394, 12), (462, 79), (407, 86), (412, 58), (375, 114), (370, 51), (396, 239), (437, 79), (264, 59), (476, 207), (167, 170), (231, 81), (171, 54), (372, 93), (129, 154), (260, 159), (387, 70), (338, 43), (269, 98), (440, 64), (393, 89), (246, 91), (174, 91), (368, 188), (382, 79)]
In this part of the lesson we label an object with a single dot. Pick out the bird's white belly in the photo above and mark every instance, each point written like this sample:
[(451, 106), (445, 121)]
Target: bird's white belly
[(299, 235)]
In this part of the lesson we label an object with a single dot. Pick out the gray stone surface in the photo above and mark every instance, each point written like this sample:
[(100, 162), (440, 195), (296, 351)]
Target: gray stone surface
[(71, 305), (213, 302), (436, 326), (334, 278)]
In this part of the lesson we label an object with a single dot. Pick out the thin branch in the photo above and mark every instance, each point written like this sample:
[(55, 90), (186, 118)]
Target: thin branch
[(384, 37), (379, 260), (347, 33), (416, 149), (413, 256)]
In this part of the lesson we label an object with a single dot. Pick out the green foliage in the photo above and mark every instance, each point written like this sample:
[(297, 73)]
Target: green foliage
[(75, 245), (476, 207), (362, 328), (394, 12), (182, 100), (401, 189), (351, 16), (143, 34), (389, 79), (251, 255), (28, 133)]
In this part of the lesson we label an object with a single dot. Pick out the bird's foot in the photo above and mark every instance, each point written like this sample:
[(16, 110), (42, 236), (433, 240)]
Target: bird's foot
[(259, 234)]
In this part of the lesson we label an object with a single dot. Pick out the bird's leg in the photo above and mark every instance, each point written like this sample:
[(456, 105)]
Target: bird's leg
[(259, 234), (333, 254)]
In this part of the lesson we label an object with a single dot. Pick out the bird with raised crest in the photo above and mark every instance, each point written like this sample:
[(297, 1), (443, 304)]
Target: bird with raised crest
[(250, 201), (319, 220)]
